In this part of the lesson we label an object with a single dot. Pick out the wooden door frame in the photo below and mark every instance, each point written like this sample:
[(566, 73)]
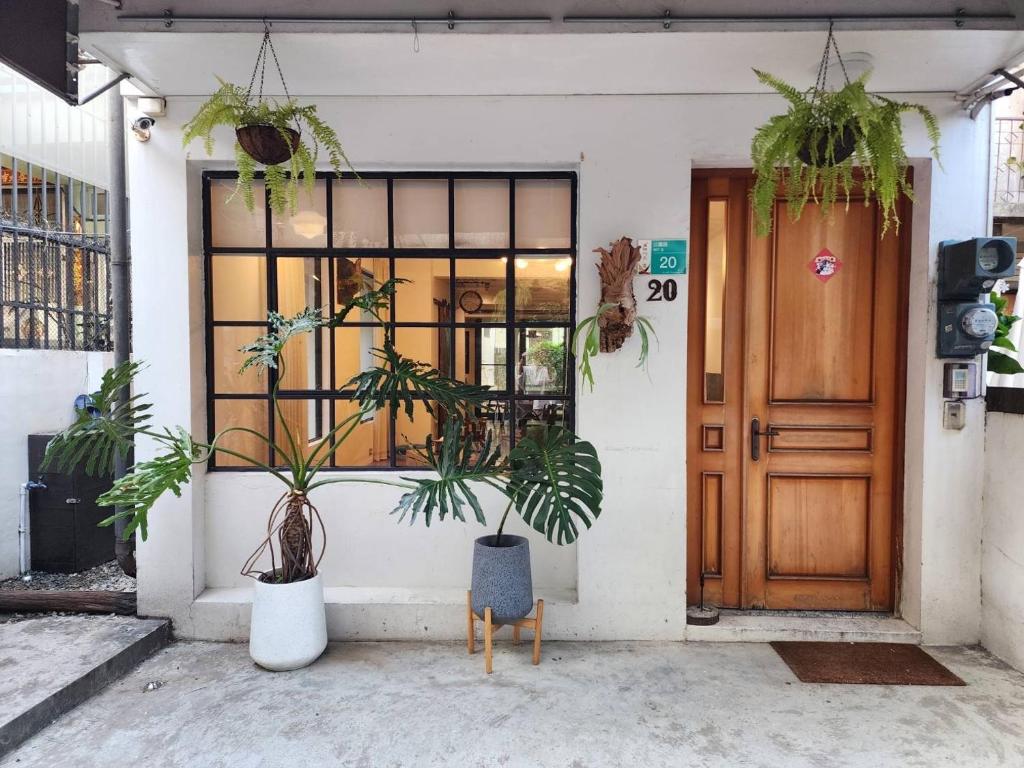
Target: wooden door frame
[(694, 382)]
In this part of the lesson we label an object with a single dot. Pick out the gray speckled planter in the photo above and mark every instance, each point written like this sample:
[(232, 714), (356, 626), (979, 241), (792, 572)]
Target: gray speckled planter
[(501, 578)]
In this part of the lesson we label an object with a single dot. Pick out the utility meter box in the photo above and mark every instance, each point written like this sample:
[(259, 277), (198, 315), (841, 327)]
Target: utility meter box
[(970, 267), (966, 328)]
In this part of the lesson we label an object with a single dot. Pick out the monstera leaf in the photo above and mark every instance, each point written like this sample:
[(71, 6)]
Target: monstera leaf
[(457, 463), (556, 482)]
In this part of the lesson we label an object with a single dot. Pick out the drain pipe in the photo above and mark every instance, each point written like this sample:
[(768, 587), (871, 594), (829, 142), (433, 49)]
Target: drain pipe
[(24, 531), (120, 309)]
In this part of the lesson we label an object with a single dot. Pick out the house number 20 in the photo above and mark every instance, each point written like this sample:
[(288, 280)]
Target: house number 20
[(663, 290)]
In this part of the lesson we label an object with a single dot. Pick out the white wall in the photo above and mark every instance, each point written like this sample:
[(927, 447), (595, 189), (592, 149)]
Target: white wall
[(634, 155), (40, 128), (1002, 563), (37, 394)]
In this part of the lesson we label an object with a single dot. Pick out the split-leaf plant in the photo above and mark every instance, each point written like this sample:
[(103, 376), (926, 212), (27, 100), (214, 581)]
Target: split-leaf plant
[(551, 477)]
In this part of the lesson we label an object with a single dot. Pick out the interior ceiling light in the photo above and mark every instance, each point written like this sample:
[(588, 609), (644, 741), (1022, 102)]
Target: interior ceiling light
[(309, 224), (563, 264), (522, 263)]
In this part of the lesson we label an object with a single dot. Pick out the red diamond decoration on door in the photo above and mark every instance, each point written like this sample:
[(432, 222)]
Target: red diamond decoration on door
[(825, 265)]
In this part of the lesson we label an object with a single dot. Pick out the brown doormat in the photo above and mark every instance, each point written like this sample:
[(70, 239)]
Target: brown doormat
[(864, 663)]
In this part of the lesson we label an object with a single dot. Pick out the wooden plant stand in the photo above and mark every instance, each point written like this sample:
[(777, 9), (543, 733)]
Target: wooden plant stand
[(536, 624)]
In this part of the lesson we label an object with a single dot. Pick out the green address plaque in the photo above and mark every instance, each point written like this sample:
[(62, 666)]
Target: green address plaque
[(663, 257)]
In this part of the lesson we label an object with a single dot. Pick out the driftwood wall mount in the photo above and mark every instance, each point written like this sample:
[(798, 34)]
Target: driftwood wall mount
[(616, 269)]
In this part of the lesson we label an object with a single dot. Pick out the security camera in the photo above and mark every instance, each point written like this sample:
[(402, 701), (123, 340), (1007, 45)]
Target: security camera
[(141, 126)]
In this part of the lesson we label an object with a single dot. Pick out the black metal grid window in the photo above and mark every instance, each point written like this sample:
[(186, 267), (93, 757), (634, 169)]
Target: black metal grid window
[(501, 283)]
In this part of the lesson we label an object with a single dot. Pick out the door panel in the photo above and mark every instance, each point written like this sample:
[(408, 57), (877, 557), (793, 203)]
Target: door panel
[(828, 359), (801, 514)]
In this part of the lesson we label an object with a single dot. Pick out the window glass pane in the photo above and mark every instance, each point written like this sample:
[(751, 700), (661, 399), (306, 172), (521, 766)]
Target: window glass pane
[(251, 414), (426, 345), (411, 434), (541, 361), (494, 420), (480, 356), (353, 351), (305, 361), (360, 218), (233, 225), (543, 213), (354, 276), (481, 213), (542, 288), (532, 414), (367, 444), (426, 297), (480, 290), (300, 283), (239, 287), (307, 227), (306, 421), (227, 361), (421, 213), (714, 382)]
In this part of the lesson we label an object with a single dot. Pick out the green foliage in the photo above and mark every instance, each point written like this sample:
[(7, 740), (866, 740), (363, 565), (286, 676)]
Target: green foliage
[(998, 361), (551, 477), (589, 330), (230, 106), (457, 463), (96, 438), (818, 119), (555, 482), (136, 493), (402, 382)]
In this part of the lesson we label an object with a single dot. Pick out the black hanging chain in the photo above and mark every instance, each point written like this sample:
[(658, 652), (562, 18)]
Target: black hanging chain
[(261, 67), (821, 82)]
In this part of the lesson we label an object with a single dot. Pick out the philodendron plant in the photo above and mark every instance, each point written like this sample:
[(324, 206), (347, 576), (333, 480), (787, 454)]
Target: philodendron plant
[(551, 478)]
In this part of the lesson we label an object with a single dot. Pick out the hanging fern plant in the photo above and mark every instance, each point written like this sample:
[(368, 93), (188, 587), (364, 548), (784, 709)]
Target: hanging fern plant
[(284, 139), (811, 150)]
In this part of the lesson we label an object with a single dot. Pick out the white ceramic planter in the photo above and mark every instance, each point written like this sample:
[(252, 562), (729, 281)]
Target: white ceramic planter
[(288, 629)]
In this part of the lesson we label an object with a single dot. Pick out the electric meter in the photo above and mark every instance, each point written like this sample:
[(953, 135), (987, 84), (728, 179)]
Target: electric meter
[(979, 322)]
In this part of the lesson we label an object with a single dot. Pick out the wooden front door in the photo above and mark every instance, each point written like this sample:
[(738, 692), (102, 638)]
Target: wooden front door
[(795, 401)]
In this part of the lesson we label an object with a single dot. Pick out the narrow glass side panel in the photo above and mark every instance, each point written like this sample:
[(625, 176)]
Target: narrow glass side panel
[(714, 313)]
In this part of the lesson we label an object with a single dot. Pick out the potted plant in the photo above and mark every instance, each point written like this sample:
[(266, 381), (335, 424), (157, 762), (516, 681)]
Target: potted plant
[(284, 138), (811, 150), (551, 477)]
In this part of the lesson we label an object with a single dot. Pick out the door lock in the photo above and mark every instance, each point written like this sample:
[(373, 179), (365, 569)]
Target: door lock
[(755, 437)]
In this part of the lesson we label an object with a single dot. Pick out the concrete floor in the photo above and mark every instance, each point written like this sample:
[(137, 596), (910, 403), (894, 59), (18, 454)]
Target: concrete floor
[(587, 705)]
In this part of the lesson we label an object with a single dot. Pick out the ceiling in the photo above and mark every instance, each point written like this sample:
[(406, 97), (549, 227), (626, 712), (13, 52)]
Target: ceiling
[(184, 63), (98, 15)]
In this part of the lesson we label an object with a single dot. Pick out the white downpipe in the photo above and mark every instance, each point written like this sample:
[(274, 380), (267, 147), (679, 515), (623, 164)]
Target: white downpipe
[(24, 531)]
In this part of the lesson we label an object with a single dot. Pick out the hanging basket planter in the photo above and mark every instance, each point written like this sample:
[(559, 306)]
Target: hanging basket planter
[(284, 138), (815, 149), (267, 144), (812, 149)]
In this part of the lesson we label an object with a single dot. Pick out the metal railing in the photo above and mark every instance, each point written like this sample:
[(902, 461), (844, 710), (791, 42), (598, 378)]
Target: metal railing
[(1007, 166), (54, 288)]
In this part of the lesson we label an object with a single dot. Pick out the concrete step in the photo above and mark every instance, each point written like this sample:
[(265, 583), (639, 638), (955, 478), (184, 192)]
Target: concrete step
[(766, 627), (50, 664)]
